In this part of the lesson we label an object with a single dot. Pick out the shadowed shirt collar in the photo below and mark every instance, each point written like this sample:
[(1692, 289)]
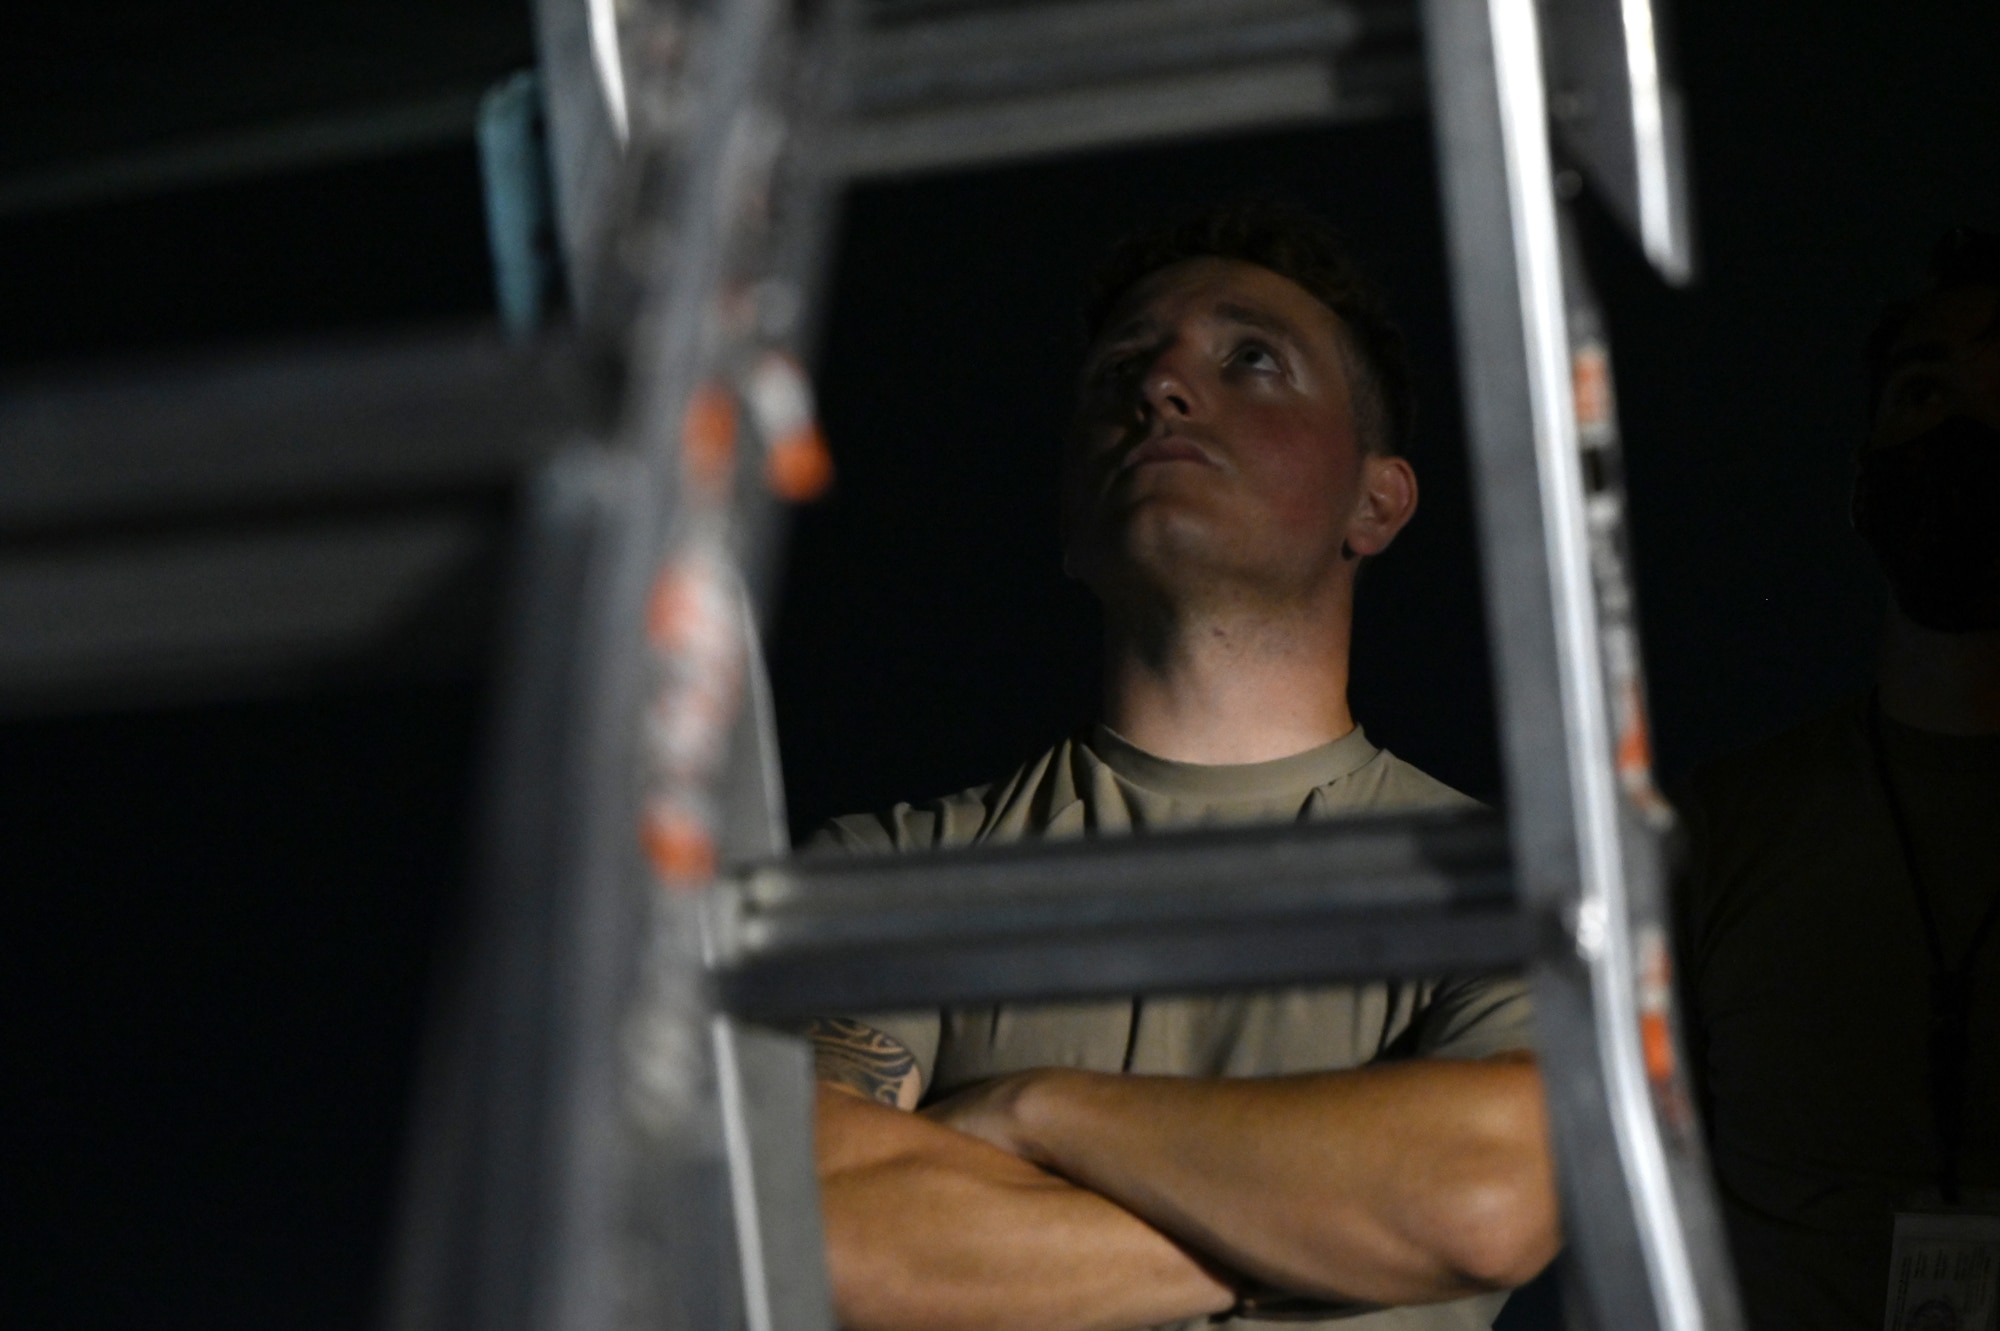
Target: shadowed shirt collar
[(1232, 781)]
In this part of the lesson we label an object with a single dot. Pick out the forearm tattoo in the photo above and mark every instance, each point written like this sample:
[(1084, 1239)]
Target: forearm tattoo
[(859, 1056)]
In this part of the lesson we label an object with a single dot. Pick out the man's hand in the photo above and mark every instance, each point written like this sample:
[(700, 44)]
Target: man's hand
[(1401, 1183)]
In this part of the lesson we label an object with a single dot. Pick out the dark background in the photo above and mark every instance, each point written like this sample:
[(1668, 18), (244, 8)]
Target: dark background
[(220, 915)]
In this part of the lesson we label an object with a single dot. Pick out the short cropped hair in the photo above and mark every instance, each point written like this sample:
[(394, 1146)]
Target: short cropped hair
[(1964, 257), (1293, 244)]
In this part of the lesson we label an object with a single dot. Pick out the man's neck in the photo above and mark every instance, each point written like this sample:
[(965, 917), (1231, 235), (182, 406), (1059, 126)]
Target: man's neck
[(1239, 685), (1943, 682)]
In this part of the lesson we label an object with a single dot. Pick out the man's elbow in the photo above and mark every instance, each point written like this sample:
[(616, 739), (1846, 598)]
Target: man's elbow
[(1504, 1224), (1503, 1231)]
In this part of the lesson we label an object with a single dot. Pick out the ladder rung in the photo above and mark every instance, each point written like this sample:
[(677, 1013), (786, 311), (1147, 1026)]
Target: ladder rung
[(179, 439), (1005, 82), (234, 523), (1036, 49), (1175, 912)]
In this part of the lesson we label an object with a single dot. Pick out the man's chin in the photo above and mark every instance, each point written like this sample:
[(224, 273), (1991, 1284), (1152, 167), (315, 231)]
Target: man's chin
[(1180, 558), (1159, 540), (1173, 565)]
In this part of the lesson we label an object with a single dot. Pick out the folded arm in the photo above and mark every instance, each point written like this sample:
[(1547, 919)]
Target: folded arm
[(930, 1229), (1408, 1182)]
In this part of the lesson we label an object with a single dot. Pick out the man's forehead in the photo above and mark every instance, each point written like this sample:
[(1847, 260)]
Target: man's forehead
[(1226, 289), (1945, 323)]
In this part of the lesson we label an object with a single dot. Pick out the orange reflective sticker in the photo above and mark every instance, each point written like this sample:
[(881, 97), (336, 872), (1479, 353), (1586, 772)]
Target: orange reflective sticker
[(1635, 746), (799, 468), (673, 608), (681, 850), (1635, 750), (1657, 1043), (1590, 383), (708, 435)]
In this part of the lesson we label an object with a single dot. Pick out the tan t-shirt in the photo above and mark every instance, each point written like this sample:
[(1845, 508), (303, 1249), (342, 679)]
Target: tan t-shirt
[(1807, 983), (1099, 784)]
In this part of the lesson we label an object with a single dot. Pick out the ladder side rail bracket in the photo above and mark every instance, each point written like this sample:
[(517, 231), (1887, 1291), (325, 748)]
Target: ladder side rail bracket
[(717, 230)]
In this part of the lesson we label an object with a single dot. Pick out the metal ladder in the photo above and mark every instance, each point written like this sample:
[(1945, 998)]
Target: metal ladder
[(617, 1130)]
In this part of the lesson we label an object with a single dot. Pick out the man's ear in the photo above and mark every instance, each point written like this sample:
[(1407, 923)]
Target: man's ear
[(1387, 501)]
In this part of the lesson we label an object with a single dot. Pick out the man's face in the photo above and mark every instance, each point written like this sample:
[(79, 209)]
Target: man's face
[(1945, 363), (1217, 443)]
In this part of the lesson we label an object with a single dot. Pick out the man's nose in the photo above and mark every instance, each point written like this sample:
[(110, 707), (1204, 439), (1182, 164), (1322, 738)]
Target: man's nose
[(1169, 386)]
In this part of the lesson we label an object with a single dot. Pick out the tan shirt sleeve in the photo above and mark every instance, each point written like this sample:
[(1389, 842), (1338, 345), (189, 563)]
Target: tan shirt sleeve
[(1476, 1016), (920, 1030), (917, 1031)]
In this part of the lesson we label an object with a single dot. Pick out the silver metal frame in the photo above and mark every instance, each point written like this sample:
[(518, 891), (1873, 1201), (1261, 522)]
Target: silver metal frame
[(1562, 800), (1618, 116), (1642, 1263)]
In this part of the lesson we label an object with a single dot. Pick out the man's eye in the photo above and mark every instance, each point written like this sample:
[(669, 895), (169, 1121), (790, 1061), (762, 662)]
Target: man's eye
[(1917, 392), (1113, 369), (1256, 356)]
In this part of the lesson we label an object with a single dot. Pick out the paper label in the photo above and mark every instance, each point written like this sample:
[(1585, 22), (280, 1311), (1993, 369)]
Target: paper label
[(1944, 1272)]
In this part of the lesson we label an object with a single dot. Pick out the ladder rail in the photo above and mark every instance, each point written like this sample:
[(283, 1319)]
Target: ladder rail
[(764, 1070), (1579, 858)]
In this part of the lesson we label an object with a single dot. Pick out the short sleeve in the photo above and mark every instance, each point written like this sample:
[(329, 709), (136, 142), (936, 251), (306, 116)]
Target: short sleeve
[(918, 1031), (1476, 1017), (853, 835)]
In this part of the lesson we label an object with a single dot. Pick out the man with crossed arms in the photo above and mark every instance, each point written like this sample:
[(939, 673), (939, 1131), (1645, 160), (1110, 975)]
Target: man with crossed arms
[(1169, 1161)]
